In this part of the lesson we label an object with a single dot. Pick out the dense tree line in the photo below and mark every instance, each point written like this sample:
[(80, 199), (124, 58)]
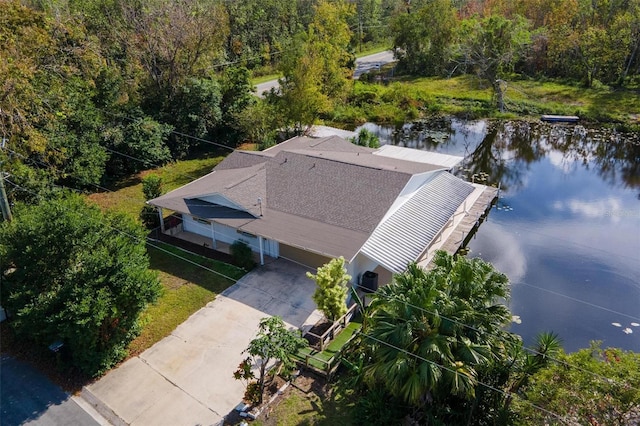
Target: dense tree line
[(591, 40), (92, 90)]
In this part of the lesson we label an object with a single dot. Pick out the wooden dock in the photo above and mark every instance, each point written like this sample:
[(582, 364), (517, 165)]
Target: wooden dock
[(469, 224)]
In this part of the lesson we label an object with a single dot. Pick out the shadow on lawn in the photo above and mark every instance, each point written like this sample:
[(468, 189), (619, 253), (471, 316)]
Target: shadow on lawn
[(193, 268)]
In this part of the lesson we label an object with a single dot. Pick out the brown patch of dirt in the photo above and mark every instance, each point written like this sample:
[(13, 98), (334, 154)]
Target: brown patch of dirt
[(318, 329), (306, 383)]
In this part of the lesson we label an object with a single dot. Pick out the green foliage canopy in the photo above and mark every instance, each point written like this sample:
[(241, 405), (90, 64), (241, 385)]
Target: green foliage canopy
[(577, 390), (274, 342), (318, 67), (424, 315), (331, 288), (74, 274)]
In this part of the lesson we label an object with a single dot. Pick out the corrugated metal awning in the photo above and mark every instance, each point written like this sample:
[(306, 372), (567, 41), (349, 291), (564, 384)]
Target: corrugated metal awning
[(404, 236), (419, 156)]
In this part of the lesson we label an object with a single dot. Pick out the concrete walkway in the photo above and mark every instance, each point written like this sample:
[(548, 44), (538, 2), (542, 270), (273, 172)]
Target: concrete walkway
[(187, 378)]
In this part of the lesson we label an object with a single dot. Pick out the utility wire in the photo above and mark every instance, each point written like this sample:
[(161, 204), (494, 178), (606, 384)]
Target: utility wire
[(533, 231), (596, 375), (49, 166), (493, 388), (133, 237), (593, 305), (370, 337)]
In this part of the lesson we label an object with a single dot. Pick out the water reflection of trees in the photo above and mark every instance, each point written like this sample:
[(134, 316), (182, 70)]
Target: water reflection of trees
[(424, 135), (510, 147), (505, 154), (614, 156)]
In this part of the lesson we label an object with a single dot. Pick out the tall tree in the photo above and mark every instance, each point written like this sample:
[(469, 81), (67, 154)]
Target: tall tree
[(491, 46), (593, 39), (174, 41), (260, 29), (430, 334), (73, 274), (318, 66), (47, 111), (425, 38)]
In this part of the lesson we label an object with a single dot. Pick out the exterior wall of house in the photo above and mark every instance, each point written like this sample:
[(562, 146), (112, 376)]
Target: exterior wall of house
[(362, 264), (229, 235), (384, 276), (197, 226), (306, 258)]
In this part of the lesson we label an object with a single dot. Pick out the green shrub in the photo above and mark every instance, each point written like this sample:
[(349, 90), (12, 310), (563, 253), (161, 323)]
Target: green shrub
[(151, 188), (349, 114), (242, 255), (366, 138)]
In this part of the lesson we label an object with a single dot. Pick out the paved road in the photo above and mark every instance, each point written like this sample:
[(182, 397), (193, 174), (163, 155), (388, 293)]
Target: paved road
[(372, 62), (27, 397), (363, 64)]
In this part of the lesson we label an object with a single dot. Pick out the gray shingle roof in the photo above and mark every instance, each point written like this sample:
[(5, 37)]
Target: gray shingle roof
[(406, 233), (241, 186), (329, 144), (240, 159), (327, 196), (337, 193)]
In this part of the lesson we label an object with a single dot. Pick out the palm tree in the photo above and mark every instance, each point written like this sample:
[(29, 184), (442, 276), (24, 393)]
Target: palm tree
[(429, 331)]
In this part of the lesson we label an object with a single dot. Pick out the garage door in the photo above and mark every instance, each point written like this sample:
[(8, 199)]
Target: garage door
[(311, 260)]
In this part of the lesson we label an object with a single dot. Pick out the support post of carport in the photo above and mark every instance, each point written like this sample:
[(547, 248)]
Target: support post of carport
[(213, 237), (161, 219), (260, 243)]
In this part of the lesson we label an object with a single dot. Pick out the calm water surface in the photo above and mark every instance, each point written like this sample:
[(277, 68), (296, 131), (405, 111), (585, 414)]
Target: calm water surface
[(566, 229)]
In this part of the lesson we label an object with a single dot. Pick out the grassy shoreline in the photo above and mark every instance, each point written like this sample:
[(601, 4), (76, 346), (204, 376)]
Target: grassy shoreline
[(407, 99)]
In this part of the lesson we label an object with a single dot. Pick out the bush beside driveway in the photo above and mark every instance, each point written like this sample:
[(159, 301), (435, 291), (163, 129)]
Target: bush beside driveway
[(187, 378)]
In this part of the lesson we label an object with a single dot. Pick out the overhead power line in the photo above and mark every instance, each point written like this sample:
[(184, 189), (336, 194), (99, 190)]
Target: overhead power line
[(147, 240), (531, 350), (442, 367)]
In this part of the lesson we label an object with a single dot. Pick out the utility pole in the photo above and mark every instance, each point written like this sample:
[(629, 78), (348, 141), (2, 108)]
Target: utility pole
[(4, 202)]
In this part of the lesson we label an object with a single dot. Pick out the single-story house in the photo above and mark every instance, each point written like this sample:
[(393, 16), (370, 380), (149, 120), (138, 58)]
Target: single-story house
[(313, 199)]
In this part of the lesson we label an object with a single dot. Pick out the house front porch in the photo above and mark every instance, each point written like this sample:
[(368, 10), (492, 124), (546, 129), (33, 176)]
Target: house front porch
[(201, 245)]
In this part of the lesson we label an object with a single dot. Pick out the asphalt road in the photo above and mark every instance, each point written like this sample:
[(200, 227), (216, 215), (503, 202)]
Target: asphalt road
[(363, 64), (27, 397)]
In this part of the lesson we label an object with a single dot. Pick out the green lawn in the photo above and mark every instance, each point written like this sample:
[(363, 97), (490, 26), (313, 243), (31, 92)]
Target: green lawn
[(334, 347), (332, 405), (127, 194), (187, 288), (409, 98)]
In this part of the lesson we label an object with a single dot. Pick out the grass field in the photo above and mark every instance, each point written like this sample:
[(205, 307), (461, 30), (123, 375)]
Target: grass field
[(126, 196), (406, 99)]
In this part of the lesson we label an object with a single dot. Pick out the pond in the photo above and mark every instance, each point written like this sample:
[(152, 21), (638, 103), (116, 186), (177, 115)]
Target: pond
[(566, 229)]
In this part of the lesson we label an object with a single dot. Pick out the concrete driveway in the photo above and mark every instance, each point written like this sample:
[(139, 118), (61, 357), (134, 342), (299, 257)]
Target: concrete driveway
[(187, 378)]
